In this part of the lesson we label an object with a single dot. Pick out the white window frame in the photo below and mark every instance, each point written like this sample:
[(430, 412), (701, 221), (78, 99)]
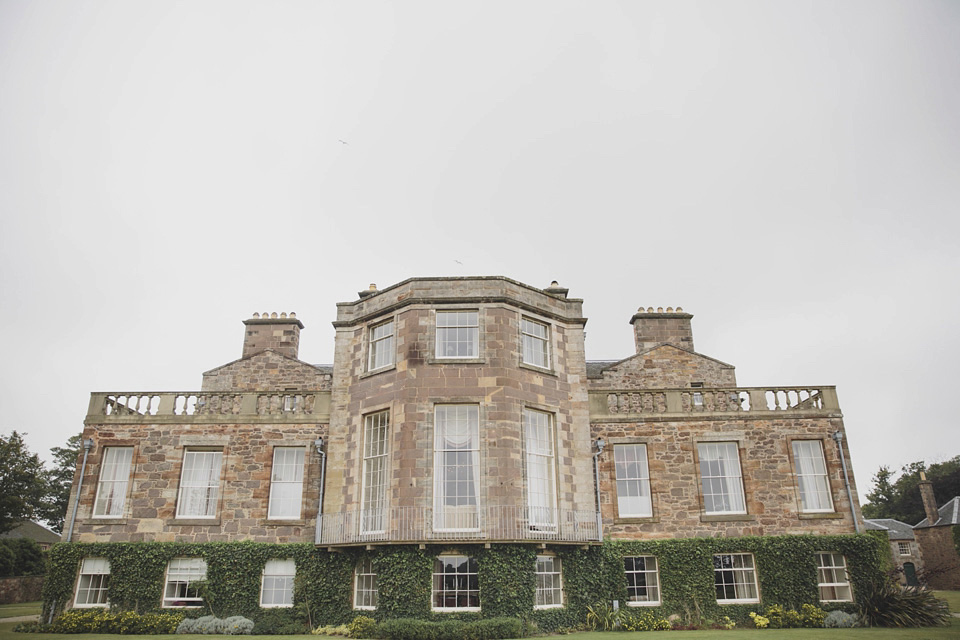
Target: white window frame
[(633, 480), (457, 324), (380, 350), (904, 545), (830, 568), (697, 394), (720, 478), (376, 468), (535, 343), (181, 572), (93, 581), (286, 483), (456, 447), (199, 482), (114, 483), (278, 577), (365, 589), (643, 580), (549, 572), (743, 571), (540, 447), (813, 484), (457, 585)]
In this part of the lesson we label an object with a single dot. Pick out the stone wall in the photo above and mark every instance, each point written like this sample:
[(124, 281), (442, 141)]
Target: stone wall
[(496, 381), (915, 556), (23, 589), (941, 564), (267, 371), (767, 467), (666, 367), (150, 508)]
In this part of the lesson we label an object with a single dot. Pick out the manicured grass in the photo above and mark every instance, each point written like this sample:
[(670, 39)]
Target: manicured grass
[(21, 609), (952, 598), (928, 633)]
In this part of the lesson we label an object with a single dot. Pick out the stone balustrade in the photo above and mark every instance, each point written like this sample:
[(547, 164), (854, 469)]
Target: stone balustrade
[(755, 401), (208, 407)]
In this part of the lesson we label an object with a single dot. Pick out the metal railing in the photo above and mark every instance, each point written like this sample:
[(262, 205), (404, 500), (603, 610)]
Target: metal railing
[(483, 523)]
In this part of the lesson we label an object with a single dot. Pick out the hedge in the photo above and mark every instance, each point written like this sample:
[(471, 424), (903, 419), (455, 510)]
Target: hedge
[(785, 567)]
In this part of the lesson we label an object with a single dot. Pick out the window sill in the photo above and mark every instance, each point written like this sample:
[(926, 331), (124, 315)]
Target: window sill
[(644, 604), (280, 522), (276, 606), (457, 361), (723, 602), (99, 521), (542, 607), (637, 520), (390, 367), (533, 367), (196, 522), (454, 609), (820, 516), (733, 517)]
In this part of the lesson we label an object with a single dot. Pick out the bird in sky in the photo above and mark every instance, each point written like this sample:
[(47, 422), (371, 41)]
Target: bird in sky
[(343, 141)]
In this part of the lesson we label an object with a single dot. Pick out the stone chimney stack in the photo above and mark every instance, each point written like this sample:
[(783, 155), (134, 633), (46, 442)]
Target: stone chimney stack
[(929, 501), (272, 331), (652, 327)]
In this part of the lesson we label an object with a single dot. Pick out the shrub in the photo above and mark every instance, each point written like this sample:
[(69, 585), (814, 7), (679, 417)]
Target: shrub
[(362, 627), (643, 621), (839, 620), (412, 629), (759, 621), (811, 616), (331, 630), (279, 622), (885, 604), (237, 625), (103, 621), (604, 617)]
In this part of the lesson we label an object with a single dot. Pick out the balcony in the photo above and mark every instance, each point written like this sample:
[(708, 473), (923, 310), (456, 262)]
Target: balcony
[(476, 524), (685, 404), (202, 407)]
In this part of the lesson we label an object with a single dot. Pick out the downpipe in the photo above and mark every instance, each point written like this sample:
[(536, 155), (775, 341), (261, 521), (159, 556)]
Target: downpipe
[(600, 443), (87, 445), (838, 436), (318, 443)]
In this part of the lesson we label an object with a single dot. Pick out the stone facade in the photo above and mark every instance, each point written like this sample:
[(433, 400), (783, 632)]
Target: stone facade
[(530, 454), (941, 564)]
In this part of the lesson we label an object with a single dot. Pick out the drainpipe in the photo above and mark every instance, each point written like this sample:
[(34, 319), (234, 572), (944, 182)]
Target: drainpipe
[(318, 443), (838, 436), (596, 479), (87, 445)]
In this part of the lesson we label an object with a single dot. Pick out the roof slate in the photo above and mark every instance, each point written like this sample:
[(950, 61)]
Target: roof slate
[(895, 529), (949, 515), (32, 531)]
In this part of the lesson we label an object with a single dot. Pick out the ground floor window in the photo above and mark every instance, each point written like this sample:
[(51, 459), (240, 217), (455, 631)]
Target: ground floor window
[(735, 578), (276, 587), (832, 578), (455, 584), (643, 581), (903, 548), (549, 583), (365, 586), (182, 575), (93, 583)]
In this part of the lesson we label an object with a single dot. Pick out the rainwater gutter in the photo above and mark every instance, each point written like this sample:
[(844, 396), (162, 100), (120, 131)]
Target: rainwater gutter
[(838, 436)]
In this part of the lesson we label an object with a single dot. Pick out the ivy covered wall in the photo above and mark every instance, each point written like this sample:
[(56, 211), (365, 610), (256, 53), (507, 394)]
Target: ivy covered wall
[(785, 568)]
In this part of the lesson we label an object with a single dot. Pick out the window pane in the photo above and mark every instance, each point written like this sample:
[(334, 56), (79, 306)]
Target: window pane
[(458, 334), (535, 343), (181, 573), (365, 593), (549, 585), (286, 482), (277, 584), (812, 481), (114, 481), (93, 583), (199, 484), (643, 580), (541, 476), (720, 477), (381, 349), (375, 481), (735, 579), (633, 480), (455, 583)]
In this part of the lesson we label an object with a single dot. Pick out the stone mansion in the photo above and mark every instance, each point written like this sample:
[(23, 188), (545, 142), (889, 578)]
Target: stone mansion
[(462, 414)]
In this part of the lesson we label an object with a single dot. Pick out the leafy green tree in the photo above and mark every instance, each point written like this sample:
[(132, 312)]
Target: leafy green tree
[(59, 482), (25, 558), (900, 499), (23, 485)]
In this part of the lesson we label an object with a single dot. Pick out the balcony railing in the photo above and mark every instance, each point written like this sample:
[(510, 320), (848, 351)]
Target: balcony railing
[(473, 524), (213, 406), (739, 400)]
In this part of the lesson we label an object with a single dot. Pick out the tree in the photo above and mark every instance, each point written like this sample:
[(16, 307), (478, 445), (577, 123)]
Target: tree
[(901, 499), (22, 482), (59, 481)]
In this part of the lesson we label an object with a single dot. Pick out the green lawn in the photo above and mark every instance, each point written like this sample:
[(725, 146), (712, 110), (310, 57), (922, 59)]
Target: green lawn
[(952, 598), (21, 609)]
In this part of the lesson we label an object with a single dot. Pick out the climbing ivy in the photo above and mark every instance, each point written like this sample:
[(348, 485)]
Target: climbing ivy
[(785, 566)]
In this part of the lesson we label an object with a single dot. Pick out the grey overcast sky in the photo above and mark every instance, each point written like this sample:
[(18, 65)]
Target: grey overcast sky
[(788, 172)]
